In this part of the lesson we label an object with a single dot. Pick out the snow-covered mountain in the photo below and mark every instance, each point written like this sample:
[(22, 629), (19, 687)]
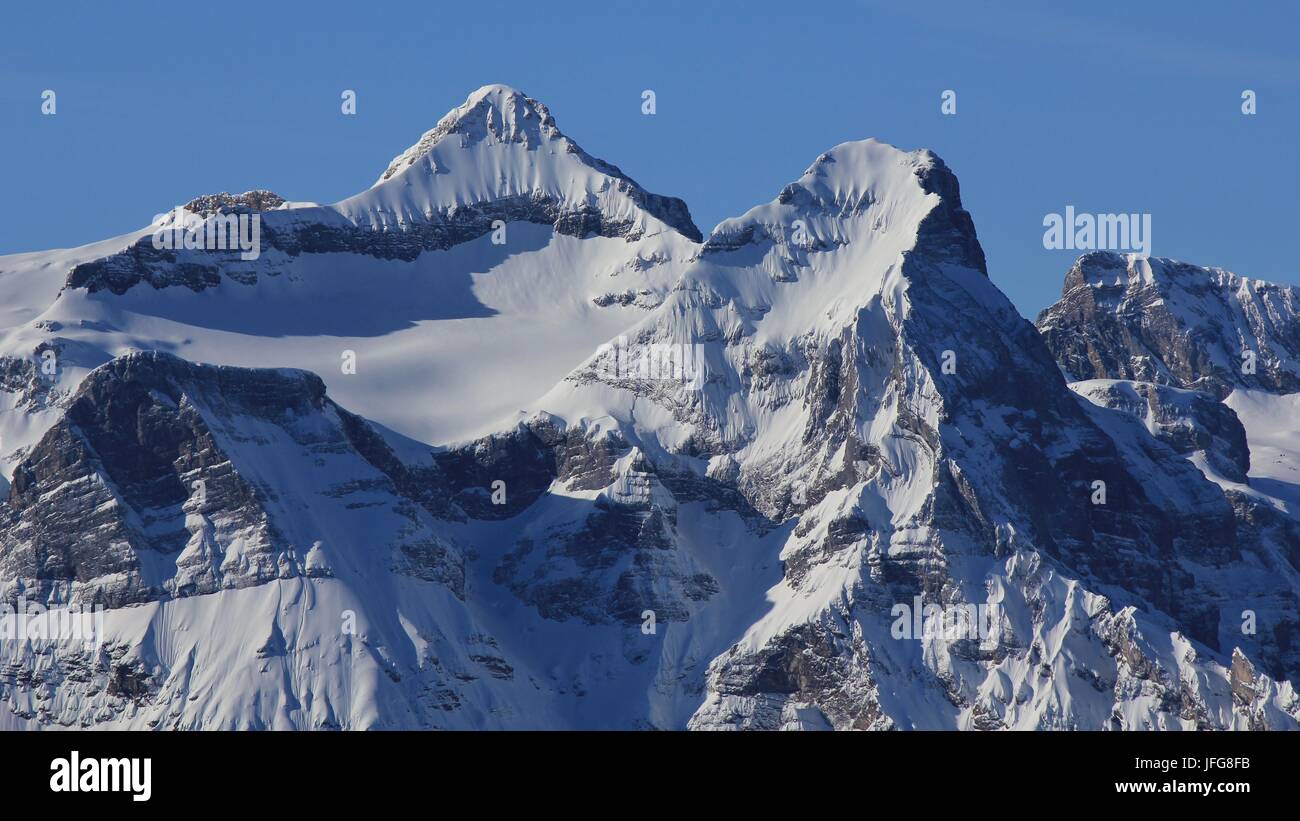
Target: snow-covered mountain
[(610, 473), (1122, 316), (406, 276), (1209, 365), (1195, 344)]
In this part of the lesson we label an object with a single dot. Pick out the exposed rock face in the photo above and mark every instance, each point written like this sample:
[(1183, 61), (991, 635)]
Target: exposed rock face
[(247, 202), (813, 677), (152, 486), (497, 159), (1187, 421), (296, 235), (1158, 320), (236, 524), (872, 448), (922, 434), (23, 379), (1181, 325), (613, 563)]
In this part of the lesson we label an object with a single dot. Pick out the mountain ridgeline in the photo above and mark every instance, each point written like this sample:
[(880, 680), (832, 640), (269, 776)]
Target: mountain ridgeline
[(432, 459)]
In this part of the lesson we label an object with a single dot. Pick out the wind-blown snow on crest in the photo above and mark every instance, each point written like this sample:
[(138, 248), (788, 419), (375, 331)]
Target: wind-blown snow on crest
[(493, 113), (841, 182), (501, 145), (846, 182)]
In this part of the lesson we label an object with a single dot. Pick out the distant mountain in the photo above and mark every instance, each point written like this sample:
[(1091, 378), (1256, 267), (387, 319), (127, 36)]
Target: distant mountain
[(1158, 320), (565, 462), (1164, 341)]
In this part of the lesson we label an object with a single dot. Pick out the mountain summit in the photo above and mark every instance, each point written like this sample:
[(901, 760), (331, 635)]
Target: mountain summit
[(501, 146), (496, 113), (1122, 316), (461, 489), (497, 159)]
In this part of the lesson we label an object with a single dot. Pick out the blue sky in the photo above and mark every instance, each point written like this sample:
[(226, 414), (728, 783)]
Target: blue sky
[(1109, 107)]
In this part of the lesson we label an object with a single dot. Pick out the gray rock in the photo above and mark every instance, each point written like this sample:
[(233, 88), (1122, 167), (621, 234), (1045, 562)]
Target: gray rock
[(1163, 321), (1187, 421)]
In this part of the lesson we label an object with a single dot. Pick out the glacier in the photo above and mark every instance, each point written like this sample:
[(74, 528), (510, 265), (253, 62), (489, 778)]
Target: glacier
[(383, 476)]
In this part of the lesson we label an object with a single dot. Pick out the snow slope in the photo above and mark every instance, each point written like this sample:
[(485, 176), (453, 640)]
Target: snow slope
[(1234, 338), (825, 319), (532, 531), (1271, 427), (406, 275)]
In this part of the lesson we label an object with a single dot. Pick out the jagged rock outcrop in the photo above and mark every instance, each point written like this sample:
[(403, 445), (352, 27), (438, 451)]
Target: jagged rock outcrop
[(155, 485), (875, 384), (822, 474), (1234, 338), (1187, 421), (255, 201), (1159, 320), (612, 563)]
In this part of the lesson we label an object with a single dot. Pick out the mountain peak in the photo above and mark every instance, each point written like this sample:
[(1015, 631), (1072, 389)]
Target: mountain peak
[(1123, 316), (1131, 271), (855, 178), (494, 113), (501, 151)]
